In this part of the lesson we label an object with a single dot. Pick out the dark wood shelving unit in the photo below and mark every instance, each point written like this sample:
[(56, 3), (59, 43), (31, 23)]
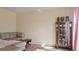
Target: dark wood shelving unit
[(63, 35)]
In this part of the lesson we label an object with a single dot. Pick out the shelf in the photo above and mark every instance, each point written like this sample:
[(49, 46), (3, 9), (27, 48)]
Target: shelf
[(61, 32)]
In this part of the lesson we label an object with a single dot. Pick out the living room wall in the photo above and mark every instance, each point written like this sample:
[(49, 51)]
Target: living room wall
[(7, 20), (40, 25)]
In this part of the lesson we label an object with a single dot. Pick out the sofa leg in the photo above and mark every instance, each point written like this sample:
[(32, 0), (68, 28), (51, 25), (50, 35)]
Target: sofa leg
[(24, 50)]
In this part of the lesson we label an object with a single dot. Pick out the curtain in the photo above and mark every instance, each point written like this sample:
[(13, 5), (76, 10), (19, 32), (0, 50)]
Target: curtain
[(76, 30)]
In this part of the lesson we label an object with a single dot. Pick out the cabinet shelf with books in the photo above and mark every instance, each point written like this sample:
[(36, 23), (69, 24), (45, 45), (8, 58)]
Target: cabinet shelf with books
[(63, 34)]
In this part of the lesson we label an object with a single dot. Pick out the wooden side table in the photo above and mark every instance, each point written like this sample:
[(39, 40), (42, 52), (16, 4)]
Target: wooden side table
[(27, 42)]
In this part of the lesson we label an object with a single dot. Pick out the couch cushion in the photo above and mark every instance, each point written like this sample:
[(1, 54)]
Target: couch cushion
[(4, 35), (11, 35)]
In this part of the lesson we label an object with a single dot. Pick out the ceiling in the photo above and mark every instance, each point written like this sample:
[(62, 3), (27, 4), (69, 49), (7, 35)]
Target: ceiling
[(26, 9)]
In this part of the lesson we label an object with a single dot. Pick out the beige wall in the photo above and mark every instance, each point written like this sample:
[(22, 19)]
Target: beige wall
[(40, 26), (7, 21)]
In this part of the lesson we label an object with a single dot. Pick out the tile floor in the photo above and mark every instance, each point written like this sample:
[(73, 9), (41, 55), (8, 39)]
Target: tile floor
[(36, 47)]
